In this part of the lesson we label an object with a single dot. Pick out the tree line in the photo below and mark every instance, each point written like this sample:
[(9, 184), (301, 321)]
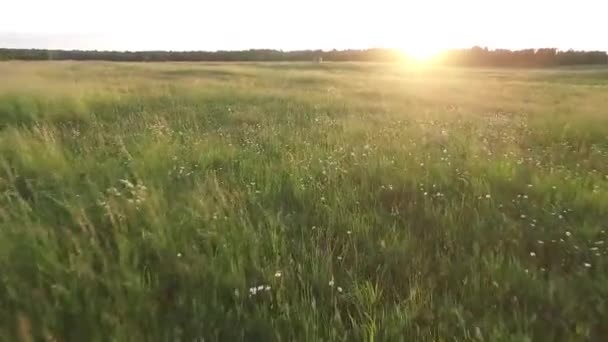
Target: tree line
[(475, 56), (523, 58)]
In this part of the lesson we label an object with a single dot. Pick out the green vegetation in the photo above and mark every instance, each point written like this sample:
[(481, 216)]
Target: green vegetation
[(260, 202)]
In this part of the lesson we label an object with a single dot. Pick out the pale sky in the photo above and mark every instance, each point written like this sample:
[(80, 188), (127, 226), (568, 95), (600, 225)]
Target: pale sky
[(418, 26)]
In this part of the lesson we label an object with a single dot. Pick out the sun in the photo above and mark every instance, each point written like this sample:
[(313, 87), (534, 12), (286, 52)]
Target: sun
[(420, 52)]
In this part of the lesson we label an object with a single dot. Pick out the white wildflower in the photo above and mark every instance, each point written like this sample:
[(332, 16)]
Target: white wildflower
[(127, 183)]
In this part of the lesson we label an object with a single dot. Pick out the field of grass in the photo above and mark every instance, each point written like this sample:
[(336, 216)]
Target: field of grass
[(302, 202)]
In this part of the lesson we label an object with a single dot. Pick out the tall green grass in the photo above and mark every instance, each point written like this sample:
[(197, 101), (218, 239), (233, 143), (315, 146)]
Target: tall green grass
[(187, 202)]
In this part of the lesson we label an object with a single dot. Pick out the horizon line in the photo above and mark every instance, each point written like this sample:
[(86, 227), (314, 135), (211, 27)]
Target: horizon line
[(303, 50)]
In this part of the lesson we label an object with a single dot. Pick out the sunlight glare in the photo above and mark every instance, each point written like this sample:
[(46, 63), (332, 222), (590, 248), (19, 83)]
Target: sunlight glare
[(421, 53)]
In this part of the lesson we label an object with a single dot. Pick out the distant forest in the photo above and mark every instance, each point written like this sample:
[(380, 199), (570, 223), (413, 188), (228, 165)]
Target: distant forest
[(475, 56)]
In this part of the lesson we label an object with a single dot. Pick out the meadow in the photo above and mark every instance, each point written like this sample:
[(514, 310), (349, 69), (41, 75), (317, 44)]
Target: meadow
[(302, 202)]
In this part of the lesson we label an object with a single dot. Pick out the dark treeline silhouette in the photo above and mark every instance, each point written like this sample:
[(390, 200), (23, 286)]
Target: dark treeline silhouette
[(196, 56), (475, 56), (522, 58)]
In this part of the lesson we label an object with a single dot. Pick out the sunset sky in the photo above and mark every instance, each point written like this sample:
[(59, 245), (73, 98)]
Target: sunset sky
[(418, 26)]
